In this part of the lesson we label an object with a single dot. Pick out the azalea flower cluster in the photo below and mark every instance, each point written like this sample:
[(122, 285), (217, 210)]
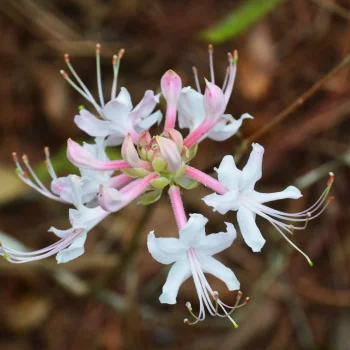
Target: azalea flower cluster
[(151, 165)]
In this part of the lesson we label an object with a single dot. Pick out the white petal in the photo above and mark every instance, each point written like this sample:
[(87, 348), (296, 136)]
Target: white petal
[(290, 192), (219, 270), (63, 188), (86, 217), (118, 109), (61, 233), (74, 250), (149, 121), (226, 127), (92, 125), (216, 242), (178, 274), (116, 139), (166, 250), (253, 170), (145, 106), (222, 203), (193, 230), (229, 175), (249, 229), (190, 108)]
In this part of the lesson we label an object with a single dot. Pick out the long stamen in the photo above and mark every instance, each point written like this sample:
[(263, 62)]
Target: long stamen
[(98, 70), (15, 159), (211, 63), (116, 64), (32, 172), (227, 73), (195, 74), (48, 164), (232, 74)]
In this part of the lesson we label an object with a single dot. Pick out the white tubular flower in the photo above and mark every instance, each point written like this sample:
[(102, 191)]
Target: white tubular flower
[(191, 104), (191, 254), (118, 118), (242, 197), (71, 243)]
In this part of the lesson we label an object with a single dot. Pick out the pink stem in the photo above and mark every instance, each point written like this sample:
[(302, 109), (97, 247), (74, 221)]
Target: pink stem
[(178, 208), (119, 181), (198, 133), (104, 166), (170, 117), (205, 179)]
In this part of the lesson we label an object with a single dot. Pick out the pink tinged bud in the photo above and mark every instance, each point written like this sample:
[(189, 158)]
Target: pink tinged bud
[(144, 139), (131, 156), (176, 137), (169, 153), (214, 102), (171, 87)]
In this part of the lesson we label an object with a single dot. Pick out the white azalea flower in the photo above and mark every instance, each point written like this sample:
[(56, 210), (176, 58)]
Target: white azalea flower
[(71, 243), (118, 117), (192, 114), (242, 197), (191, 254)]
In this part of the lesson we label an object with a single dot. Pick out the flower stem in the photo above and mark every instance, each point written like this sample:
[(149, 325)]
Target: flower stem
[(178, 208), (205, 179)]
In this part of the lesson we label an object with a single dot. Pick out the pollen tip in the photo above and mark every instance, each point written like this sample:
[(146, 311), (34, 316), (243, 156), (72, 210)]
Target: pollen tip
[(240, 294), (25, 158), (186, 321), (229, 56), (14, 156), (331, 179), (66, 57), (114, 60), (330, 199), (46, 163), (189, 306), (25, 175), (247, 300), (98, 48), (308, 214), (47, 151), (194, 70), (121, 53), (64, 74), (311, 263), (210, 48)]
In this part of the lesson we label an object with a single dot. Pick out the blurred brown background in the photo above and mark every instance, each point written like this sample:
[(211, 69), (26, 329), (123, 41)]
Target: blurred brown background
[(108, 298)]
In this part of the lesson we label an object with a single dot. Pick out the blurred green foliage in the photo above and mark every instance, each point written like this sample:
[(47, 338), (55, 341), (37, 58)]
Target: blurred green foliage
[(242, 18)]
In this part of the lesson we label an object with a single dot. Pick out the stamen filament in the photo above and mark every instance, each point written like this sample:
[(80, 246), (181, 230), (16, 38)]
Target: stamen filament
[(98, 70), (195, 74), (211, 63)]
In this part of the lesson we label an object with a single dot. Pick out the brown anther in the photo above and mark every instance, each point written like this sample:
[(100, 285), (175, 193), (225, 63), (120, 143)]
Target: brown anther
[(239, 294), (331, 179), (291, 227), (14, 157), (25, 158), (194, 70), (308, 214), (186, 321), (25, 175), (121, 53), (229, 56), (330, 199), (210, 48), (64, 74), (216, 295), (114, 60), (235, 54), (247, 300), (46, 163), (66, 57), (47, 151), (98, 48)]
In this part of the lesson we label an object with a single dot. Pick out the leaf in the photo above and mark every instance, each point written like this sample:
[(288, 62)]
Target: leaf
[(239, 20)]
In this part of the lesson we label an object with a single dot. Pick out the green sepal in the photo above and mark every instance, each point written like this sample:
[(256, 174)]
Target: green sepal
[(159, 165), (186, 182), (181, 171), (150, 197), (143, 154), (136, 172), (160, 183), (149, 155), (188, 154)]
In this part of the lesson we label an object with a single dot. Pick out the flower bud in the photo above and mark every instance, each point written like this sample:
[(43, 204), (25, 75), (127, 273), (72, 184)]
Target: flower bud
[(176, 137), (144, 139), (169, 153), (129, 152), (171, 87), (214, 102)]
